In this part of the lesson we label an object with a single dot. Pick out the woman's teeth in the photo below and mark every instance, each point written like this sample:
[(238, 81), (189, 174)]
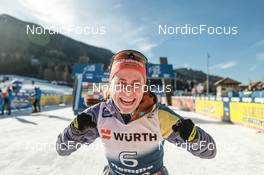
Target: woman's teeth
[(127, 101)]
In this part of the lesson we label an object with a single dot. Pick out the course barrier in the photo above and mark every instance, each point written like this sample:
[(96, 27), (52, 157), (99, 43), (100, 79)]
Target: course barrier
[(25, 101), (246, 111), (250, 114), (211, 108)]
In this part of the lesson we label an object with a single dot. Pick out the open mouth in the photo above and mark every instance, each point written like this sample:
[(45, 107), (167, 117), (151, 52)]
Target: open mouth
[(127, 101)]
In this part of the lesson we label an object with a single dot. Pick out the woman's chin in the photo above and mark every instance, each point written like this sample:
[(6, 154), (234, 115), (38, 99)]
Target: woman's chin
[(125, 110)]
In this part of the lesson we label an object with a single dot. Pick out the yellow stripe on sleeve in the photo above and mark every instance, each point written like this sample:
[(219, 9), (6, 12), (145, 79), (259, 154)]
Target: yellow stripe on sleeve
[(167, 120), (75, 123)]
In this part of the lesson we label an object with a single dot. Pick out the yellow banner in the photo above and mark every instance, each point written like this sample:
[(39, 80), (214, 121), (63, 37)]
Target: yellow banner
[(55, 100), (67, 99), (211, 108), (251, 114), (50, 100)]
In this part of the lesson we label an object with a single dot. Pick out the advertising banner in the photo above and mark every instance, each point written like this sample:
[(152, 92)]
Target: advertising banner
[(250, 114), (159, 71), (210, 108)]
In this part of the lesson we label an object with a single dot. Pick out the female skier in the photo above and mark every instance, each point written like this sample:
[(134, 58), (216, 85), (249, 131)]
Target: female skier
[(133, 125)]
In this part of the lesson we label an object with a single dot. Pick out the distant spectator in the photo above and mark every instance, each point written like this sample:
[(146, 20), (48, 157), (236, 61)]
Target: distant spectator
[(1, 100), (37, 100), (7, 97), (10, 99)]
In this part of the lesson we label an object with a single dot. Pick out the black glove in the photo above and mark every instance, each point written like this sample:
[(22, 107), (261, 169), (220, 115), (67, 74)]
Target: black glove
[(83, 122), (186, 129)]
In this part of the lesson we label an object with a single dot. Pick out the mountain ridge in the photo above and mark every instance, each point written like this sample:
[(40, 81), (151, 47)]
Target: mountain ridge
[(51, 57), (43, 56)]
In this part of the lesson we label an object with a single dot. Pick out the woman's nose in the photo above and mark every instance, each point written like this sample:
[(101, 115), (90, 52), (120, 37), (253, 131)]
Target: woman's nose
[(128, 91)]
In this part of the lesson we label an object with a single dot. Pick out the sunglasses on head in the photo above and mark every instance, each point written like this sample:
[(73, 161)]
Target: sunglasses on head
[(129, 54)]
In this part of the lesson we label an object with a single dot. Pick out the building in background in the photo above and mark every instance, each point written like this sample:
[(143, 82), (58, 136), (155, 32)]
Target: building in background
[(226, 85)]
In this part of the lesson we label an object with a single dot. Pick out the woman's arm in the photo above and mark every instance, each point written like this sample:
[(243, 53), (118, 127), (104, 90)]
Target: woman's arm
[(185, 134), (82, 130)]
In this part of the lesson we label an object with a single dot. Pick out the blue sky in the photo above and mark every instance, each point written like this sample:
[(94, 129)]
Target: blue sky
[(134, 25)]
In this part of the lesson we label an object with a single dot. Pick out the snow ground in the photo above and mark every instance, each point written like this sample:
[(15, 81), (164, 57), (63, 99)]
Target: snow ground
[(27, 146)]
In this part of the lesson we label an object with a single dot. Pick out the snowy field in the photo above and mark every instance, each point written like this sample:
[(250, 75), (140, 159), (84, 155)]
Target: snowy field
[(27, 146)]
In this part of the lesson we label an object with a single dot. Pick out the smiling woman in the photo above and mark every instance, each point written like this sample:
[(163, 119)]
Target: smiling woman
[(128, 69), (126, 96)]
